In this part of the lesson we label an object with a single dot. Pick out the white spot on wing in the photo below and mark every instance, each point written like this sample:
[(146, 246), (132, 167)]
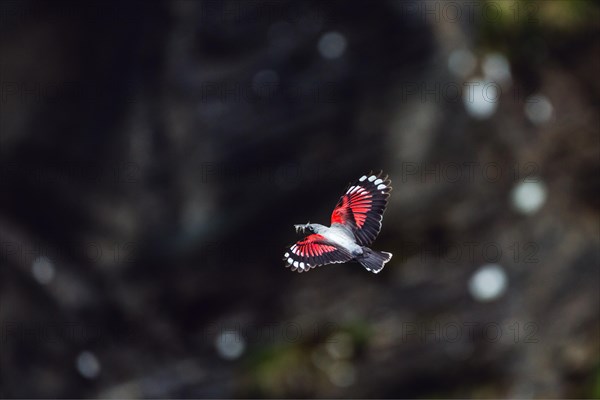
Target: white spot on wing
[(372, 178), (290, 261), (302, 265), (296, 264), (286, 255), (378, 181), (362, 178), (382, 186)]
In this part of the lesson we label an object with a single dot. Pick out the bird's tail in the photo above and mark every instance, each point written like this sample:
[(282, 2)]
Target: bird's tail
[(374, 260)]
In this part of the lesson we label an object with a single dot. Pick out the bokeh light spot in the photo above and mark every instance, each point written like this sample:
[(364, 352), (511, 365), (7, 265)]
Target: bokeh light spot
[(496, 68), (480, 98), (43, 270), (538, 109), (332, 45), (230, 344), (88, 365), (488, 283), (528, 197), (462, 62)]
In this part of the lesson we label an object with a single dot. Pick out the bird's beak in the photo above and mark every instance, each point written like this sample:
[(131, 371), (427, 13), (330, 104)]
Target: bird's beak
[(301, 227)]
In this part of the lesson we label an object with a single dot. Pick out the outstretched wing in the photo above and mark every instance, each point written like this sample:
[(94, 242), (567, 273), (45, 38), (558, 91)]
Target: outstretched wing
[(313, 251), (361, 207)]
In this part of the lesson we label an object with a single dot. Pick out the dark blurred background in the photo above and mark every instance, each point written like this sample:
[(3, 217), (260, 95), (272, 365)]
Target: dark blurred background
[(154, 157)]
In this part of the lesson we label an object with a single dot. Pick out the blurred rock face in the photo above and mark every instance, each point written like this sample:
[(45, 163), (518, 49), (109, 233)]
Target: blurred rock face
[(154, 160)]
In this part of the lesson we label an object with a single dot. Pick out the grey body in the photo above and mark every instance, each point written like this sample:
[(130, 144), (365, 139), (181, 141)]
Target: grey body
[(337, 234)]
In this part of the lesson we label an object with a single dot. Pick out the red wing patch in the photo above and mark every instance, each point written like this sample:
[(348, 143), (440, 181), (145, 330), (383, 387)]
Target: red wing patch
[(362, 206), (313, 251)]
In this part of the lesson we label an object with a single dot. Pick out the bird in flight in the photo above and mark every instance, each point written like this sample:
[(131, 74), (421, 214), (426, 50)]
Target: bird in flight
[(355, 223)]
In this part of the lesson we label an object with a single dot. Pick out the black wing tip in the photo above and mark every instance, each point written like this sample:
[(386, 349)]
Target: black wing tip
[(299, 269), (380, 175)]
